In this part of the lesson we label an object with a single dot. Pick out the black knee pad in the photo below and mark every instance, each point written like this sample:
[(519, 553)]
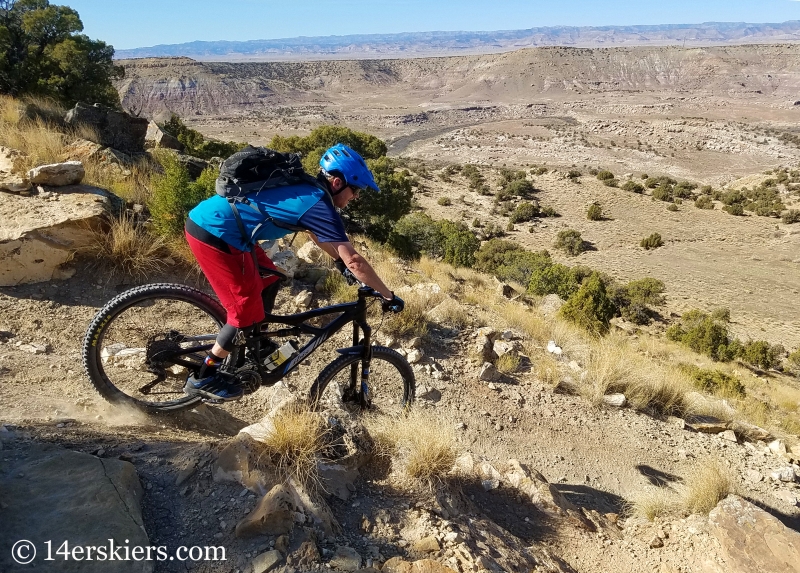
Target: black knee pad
[(228, 334)]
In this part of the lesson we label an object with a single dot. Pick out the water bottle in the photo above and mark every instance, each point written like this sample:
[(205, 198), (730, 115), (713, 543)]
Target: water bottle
[(281, 355)]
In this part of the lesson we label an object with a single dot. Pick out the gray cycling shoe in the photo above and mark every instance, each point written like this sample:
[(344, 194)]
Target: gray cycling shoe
[(213, 387)]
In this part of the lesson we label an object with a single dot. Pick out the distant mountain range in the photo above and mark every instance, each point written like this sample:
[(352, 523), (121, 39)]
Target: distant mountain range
[(418, 44)]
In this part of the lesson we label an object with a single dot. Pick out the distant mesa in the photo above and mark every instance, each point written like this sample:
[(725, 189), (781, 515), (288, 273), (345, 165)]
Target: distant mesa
[(419, 44)]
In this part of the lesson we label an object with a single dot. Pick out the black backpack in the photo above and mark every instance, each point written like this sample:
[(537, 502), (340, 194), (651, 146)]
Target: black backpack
[(254, 169)]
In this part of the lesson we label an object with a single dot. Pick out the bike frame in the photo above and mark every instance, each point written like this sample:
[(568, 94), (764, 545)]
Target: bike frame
[(355, 312)]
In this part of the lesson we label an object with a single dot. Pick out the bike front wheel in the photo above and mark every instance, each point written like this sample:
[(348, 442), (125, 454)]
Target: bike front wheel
[(142, 345), (391, 382)]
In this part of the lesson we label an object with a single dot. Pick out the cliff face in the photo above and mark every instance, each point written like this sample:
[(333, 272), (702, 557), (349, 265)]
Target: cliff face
[(188, 87)]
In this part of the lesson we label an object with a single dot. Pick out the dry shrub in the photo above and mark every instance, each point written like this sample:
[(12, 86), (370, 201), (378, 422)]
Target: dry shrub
[(412, 321), (547, 370), (654, 502), (705, 486), (128, 248), (295, 444), (337, 289), (420, 443), (507, 363)]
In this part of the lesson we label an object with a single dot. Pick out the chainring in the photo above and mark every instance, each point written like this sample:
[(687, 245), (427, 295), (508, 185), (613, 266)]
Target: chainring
[(249, 378)]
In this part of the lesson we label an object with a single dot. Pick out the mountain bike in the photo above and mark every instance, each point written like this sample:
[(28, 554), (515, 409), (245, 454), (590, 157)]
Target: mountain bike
[(142, 345)]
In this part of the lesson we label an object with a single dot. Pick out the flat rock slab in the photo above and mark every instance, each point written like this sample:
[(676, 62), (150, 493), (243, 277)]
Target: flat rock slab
[(38, 236), (753, 540), (52, 494)]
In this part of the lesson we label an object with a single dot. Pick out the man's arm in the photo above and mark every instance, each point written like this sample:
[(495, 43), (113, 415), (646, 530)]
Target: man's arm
[(358, 265)]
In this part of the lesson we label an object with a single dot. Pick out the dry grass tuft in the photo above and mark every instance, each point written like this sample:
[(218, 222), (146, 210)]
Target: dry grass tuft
[(547, 370), (412, 321), (609, 369), (708, 484), (507, 363), (421, 443), (128, 248), (705, 487), (337, 289), (295, 444)]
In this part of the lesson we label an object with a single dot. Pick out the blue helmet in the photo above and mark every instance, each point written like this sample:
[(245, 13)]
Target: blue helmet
[(343, 161)]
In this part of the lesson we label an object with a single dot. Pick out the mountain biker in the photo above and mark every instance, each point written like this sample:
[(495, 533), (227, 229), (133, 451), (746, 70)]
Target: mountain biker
[(215, 238)]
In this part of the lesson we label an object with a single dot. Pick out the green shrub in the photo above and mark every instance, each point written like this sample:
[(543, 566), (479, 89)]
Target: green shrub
[(715, 381), (510, 227), (647, 291), (735, 209), (663, 192), (652, 242), (573, 174), (703, 334), (548, 212), (684, 190), (460, 244), (672, 207), (721, 314), (595, 212), (313, 145), (538, 170), (444, 201), (520, 188), (174, 195), (793, 363), (196, 144), (605, 175), (704, 202), (761, 354), (653, 182), (509, 261), (633, 187), (418, 233), (590, 306), (554, 279), (44, 54), (791, 217), (569, 241), (524, 212)]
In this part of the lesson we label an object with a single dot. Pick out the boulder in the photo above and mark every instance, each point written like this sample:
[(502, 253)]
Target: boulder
[(752, 540), (158, 138), (503, 347), (346, 559), (615, 400), (266, 561), (447, 313), (10, 179), (38, 237), (311, 253), (551, 304), (57, 174), (54, 494), (274, 515), (111, 128), (194, 165), (489, 373)]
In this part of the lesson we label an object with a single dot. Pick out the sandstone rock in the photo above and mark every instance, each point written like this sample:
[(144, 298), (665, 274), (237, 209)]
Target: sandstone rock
[(36, 239), (52, 493), (337, 479), (615, 400), (194, 165), (783, 474), (10, 178), (503, 347), (57, 174), (750, 432), (286, 261), (553, 348), (273, 515), (415, 355), (777, 447), (532, 484), (397, 565), (656, 542), (730, 436), (81, 150), (346, 559), (427, 544), (752, 540), (448, 312), (311, 253), (428, 393), (305, 556), (551, 304), (267, 561), (489, 373), (303, 300), (707, 424), (112, 128), (157, 137), (753, 476)]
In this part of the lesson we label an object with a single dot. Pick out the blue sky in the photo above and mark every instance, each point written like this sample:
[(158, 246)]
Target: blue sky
[(139, 23)]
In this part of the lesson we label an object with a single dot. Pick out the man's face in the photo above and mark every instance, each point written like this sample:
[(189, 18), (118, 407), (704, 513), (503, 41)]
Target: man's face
[(346, 194)]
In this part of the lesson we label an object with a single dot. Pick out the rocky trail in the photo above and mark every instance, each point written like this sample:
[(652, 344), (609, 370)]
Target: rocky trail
[(586, 461)]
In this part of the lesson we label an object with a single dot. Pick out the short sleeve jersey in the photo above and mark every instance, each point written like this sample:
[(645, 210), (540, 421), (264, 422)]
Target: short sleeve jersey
[(301, 205)]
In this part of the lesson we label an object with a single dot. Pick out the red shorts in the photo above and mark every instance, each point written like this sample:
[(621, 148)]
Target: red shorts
[(235, 280)]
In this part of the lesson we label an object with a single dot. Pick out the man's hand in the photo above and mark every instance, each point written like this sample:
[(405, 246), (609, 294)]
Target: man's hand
[(346, 273), (394, 304)]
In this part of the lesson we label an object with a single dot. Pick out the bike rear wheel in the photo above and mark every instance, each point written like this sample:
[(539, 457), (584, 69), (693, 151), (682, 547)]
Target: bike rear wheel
[(391, 382), (152, 331)]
